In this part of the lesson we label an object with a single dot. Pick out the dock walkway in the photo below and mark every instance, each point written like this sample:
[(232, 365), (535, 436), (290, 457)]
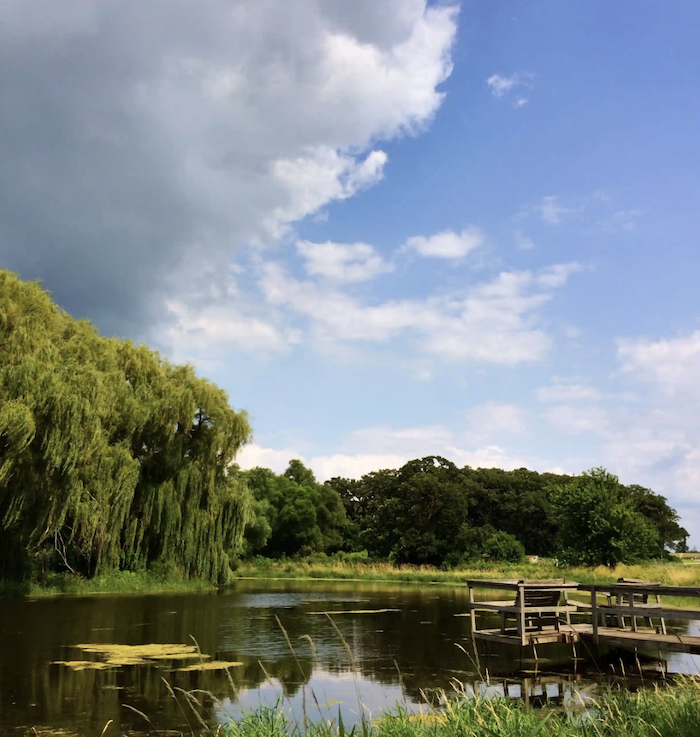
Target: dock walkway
[(540, 612)]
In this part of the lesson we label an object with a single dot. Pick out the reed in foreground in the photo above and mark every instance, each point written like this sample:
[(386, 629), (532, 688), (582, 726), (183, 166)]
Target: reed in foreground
[(672, 711)]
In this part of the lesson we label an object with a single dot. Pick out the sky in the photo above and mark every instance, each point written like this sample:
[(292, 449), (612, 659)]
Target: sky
[(388, 228)]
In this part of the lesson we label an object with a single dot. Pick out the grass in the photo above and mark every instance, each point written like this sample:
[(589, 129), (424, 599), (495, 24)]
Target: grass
[(119, 582), (668, 711), (348, 568), (674, 574), (671, 710)]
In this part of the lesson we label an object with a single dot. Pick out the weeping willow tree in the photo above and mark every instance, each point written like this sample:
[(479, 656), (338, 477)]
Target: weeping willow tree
[(110, 457)]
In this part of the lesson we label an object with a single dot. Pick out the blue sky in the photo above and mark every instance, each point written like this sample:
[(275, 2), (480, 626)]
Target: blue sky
[(388, 228)]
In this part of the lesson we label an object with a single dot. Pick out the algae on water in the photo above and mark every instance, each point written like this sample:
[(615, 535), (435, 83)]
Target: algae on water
[(210, 665), (113, 655), (357, 611), (84, 664)]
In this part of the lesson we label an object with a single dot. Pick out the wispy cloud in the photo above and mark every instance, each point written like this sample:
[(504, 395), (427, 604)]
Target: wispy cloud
[(622, 221), (494, 419), (494, 321), (550, 211), (502, 86), (522, 242), (343, 262)]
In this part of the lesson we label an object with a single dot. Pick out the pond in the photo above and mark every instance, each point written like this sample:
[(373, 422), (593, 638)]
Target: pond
[(394, 643)]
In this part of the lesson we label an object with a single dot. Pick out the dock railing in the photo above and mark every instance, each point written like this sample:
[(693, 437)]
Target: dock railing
[(628, 598), (542, 612)]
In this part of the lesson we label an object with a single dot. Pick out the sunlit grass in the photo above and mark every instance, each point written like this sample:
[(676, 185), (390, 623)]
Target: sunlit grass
[(672, 711), (118, 582), (674, 574)]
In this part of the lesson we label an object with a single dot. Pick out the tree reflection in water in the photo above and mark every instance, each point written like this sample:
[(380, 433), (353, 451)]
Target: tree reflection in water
[(406, 655)]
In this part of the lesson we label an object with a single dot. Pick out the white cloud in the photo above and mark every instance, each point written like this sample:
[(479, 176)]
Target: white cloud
[(560, 392), (380, 447), (447, 244), (501, 85), (652, 441), (351, 262), (353, 466), (317, 178), (673, 365), (550, 211), (218, 326), (522, 242), (576, 419), (495, 418), (494, 321), (557, 275), (253, 455), (622, 221), (215, 130), (409, 442)]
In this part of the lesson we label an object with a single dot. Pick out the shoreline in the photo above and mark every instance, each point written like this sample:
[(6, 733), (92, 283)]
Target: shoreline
[(340, 571)]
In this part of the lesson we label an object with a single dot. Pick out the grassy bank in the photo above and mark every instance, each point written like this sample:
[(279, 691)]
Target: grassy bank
[(665, 712), (675, 574), (119, 582), (350, 568)]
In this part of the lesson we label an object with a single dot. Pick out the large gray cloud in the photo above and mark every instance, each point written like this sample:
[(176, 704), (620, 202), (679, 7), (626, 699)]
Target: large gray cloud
[(141, 142)]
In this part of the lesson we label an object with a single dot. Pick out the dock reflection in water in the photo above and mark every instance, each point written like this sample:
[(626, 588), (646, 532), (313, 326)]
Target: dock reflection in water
[(404, 654)]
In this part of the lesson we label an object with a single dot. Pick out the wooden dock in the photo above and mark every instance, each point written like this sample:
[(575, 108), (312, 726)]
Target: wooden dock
[(540, 613)]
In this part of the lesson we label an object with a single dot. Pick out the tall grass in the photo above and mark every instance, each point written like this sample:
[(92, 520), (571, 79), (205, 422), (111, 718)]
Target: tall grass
[(670, 711), (362, 569), (349, 567)]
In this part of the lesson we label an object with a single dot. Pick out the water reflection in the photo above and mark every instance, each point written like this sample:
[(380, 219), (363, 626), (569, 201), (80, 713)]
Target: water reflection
[(408, 655)]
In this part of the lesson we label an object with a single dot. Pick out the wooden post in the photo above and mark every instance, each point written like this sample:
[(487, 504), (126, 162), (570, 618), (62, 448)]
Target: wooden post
[(472, 612), (521, 615), (594, 614), (633, 618)]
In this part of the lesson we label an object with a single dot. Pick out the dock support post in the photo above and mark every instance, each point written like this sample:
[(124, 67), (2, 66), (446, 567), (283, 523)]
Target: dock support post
[(594, 614), (521, 615), (472, 611)]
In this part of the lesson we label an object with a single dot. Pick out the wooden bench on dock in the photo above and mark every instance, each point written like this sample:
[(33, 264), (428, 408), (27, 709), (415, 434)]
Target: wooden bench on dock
[(539, 609)]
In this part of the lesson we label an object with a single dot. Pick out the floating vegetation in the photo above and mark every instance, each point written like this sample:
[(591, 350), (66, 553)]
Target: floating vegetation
[(114, 655), (358, 611), (210, 665), (84, 664)]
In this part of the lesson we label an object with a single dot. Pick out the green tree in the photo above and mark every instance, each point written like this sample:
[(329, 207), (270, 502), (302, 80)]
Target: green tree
[(110, 457), (599, 524), (302, 517), (416, 515), (665, 520)]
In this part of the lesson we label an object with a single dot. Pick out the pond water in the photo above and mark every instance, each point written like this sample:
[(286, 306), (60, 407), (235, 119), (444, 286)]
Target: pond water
[(406, 654)]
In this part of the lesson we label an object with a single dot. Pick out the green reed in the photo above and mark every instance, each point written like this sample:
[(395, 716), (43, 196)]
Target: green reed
[(669, 711)]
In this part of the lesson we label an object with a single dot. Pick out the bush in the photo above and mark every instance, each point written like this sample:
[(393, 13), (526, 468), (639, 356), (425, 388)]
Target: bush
[(504, 547)]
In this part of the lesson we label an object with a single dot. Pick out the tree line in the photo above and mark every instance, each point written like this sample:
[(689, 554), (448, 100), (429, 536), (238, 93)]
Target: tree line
[(432, 512), (112, 458)]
